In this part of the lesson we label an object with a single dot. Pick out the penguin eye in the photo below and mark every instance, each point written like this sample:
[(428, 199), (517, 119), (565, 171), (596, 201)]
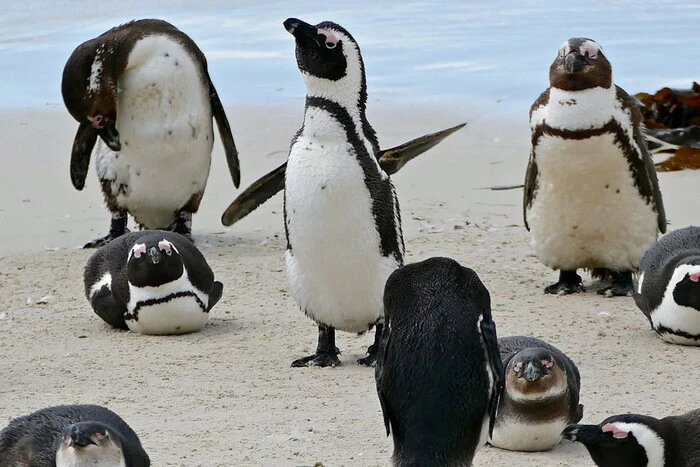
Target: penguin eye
[(331, 45), (166, 247)]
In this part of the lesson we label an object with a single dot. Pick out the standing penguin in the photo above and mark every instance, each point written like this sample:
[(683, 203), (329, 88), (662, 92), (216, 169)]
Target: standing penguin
[(71, 436), (341, 214), (632, 440), (591, 196), (668, 291), (152, 282), (540, 395), (144, 89), (438, 371)]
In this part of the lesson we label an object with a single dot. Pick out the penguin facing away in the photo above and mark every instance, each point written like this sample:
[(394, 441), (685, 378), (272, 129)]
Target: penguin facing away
[(591, 197), (341, 213), (151, 282), (438, 372), (71, 436), (632, 440), (668, 290), (143, 88), (540, 395)]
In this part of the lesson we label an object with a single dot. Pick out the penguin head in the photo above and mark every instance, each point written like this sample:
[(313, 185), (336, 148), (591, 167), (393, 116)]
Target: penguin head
[(686, 283), (153, 260), (89, 443), (621, 441), (329, 60), (90, 92), (580, 64), (534, 375)]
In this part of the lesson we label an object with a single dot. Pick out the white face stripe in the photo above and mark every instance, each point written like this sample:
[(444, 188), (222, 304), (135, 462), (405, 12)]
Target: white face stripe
[(648, 439), (671, 315), (552, 392)]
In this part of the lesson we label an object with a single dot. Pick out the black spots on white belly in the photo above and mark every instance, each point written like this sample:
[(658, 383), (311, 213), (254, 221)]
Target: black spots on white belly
[(195, 131), (166, 54)]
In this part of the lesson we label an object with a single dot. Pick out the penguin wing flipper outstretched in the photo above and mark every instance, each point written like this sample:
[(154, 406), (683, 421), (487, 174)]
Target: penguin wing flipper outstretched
[(83, 143), (217, 289), (530, 187), (217, 109), (493, 359), (109, 308), (256, 194), (643, 170)]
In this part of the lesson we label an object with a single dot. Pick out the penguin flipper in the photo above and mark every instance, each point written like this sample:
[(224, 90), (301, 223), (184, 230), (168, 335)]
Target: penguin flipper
[(493, 359), (530, 187), (217, 289), (83, 143), (579, 414), (109, 308), (380, 378), (217, 109), (256, 194), (642, 167), (393, 159)]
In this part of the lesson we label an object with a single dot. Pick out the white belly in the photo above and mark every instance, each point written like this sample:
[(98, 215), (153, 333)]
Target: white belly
[(165, 128), (335, 269), (515, 435), (179, 315), (587, 213)]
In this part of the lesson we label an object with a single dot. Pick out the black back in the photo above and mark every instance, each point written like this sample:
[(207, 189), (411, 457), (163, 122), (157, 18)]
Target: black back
[(681, 246), (512, 345), (431, 371), (38, 435)]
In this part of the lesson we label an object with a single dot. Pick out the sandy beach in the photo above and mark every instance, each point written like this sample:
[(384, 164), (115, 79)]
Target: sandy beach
[(227, 395)]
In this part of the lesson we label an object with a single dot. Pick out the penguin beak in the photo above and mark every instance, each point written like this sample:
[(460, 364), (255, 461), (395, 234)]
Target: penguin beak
[(110, 136), (303, 32), (154, 255), (533, 372), (574, 62)]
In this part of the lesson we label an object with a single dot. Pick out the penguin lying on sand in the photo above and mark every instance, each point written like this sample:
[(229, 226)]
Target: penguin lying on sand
[(540, 395), (152, 282), (341, 215), (71, 436), (668, 291), (144, 89), (640, 441), (591, 197), (438, 371)]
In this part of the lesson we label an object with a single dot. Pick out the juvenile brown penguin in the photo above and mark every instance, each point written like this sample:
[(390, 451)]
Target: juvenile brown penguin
[(591, 197), (143, 88)]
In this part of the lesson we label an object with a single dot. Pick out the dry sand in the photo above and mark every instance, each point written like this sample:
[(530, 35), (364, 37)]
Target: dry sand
[(227, 395)]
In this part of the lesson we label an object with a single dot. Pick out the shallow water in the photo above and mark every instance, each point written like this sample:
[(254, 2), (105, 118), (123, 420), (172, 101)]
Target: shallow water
[(460, 53)]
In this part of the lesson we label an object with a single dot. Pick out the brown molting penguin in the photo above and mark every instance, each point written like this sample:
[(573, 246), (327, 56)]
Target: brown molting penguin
[(591, 197), (143, 88)]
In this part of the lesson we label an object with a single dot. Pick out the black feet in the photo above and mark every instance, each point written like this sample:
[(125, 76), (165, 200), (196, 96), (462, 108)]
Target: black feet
[(326, 351), (371, 358), (183, 225), (569, 282), (622, 285), (117, 228)]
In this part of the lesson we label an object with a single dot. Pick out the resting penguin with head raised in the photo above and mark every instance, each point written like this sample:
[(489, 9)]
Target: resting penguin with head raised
[(540, 395), (143, 88), (668, 290), (71, 436), (632, 440), (341, 213), (438, 371), (591, 197), (151, 282)]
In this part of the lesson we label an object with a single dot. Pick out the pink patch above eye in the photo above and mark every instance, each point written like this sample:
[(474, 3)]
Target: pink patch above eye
[(330, 37), (616, 432), (164, 245), (96, 121), (547, 363), (694, 277), (138, 250)]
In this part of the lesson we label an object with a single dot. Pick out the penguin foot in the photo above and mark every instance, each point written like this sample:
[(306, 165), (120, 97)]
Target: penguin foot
[(318, 359), (569, 282), (183, 225), (622, 285), (99, 242), (371, 358)]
